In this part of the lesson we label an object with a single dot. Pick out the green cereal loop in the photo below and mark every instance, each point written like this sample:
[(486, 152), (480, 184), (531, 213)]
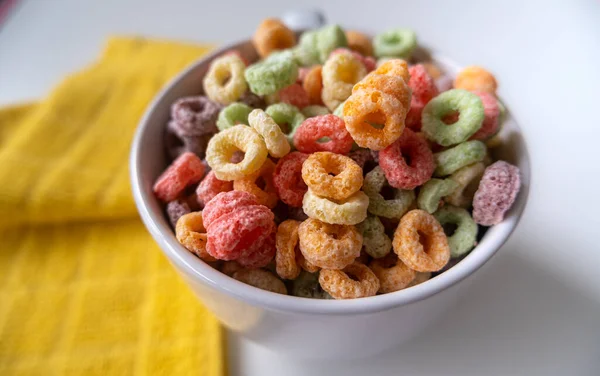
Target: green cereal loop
[(376, 243), (395, 208), (471, 115), (432, 192), (459, 156), (306, 52), (273, 74), (395, 43), (339, 110), (311, 111), (307, 286), (233, 114), (284, 113), (465, 235), (328, 39)]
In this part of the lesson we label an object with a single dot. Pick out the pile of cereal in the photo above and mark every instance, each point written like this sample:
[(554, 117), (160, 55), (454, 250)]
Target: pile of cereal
[(322, 172)]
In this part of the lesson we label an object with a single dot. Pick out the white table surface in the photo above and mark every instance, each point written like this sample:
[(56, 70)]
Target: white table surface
[(535, 308)]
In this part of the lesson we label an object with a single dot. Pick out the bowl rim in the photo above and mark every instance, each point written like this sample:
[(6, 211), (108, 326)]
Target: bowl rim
[(199, 271)]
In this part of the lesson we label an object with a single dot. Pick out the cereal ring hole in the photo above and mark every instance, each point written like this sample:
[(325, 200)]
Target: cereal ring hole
[(451, 117), (223, 76), (349, 76), (392, 38), (450, 228), (237, 156), (471, 188), (285, 128), (375, 119), (425, 241), (261, 183), (388, 192), (323, 140), (388, 262), (352, 276)]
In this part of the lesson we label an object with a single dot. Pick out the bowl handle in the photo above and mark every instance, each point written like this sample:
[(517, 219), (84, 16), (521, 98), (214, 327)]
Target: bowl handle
[(303, 19)]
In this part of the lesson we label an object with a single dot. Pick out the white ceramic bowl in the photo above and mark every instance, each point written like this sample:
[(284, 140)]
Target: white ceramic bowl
[(299, 326)]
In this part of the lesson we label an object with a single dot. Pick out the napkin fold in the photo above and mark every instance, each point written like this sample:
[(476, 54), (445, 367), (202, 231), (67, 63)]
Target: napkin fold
[(83, 288)]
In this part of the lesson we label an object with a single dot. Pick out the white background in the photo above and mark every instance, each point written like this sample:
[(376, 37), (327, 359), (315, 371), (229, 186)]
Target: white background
[(535, 309)]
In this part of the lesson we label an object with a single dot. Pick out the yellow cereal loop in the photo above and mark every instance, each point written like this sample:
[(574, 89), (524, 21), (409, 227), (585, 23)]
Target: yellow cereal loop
[(340, 72), (350, 211), (275, 140), (224, 144), (224, 82)]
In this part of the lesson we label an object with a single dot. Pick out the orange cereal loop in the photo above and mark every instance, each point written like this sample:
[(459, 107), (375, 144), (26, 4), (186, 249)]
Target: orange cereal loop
[(272, 35), (359, 42), (420, 278), (313, 84), (329, 246), (392, 85), (262, 279), (260, 184), (392, 273), (190, 232), (305, 264), (420, 242), (332, 175), (354, 281), (286, 265), (474, 78), (432, 70), (367, 106), (230, 267), (394, 67)]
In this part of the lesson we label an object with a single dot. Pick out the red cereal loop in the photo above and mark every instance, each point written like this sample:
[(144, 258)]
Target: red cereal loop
[(224, 203), (260, 253), (294, 95), (288, 181), (491, 110), (184, 171), (240, 234), (423, 90), (417, 171), (210, 186), (368, 61), (328, 126)]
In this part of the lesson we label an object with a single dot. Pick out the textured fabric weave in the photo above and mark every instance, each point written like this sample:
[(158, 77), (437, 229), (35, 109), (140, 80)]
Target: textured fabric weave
[(83, 288)]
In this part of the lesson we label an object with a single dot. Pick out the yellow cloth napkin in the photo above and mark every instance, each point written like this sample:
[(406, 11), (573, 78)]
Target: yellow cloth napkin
[(83, 288)]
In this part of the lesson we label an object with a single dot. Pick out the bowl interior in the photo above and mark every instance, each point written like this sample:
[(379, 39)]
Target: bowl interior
[(148, 160)]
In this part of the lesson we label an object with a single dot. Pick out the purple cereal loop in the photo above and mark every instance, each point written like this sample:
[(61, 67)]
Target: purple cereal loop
[(497, 191), (375, 155), (178, 144), (176, 209), (194, 116), (361, 156)]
